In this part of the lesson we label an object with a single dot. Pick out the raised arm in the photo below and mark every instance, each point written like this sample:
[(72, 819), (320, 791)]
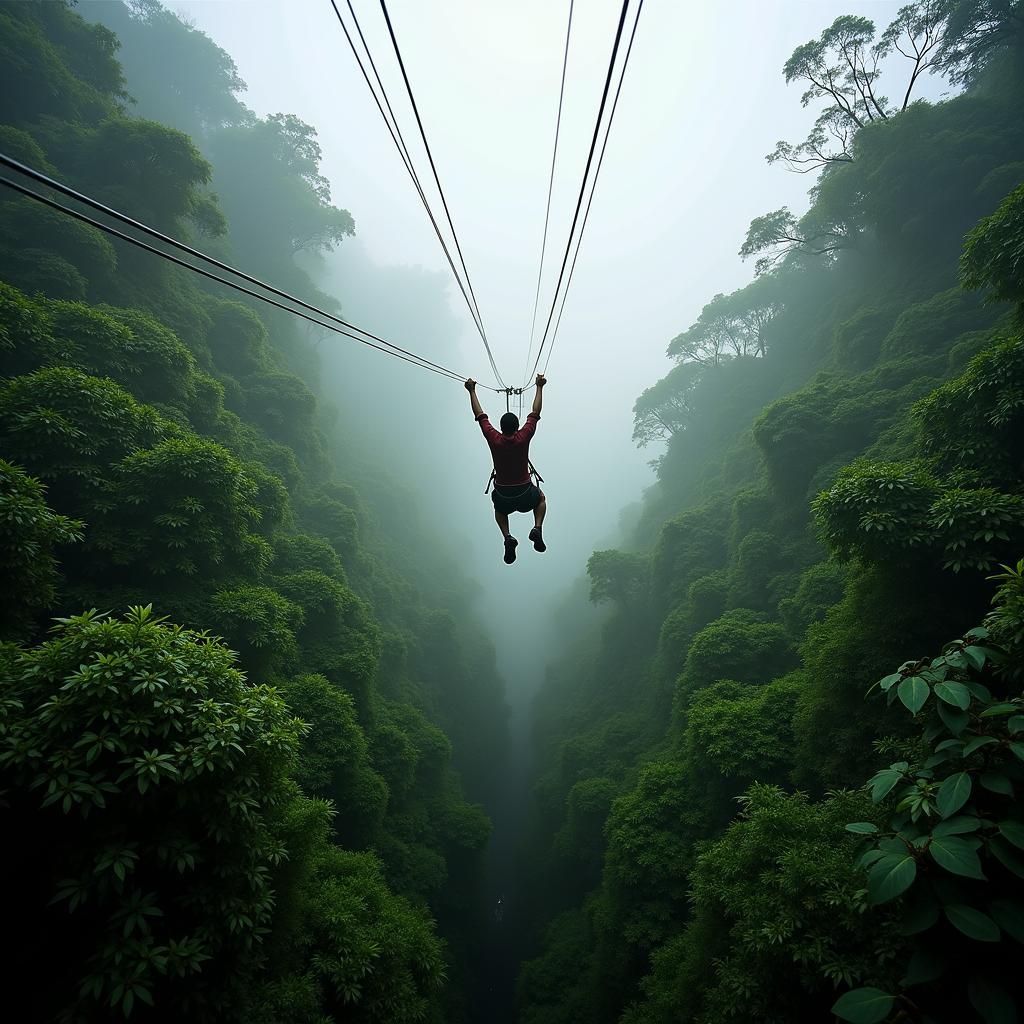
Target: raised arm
[(538, 398), (470, 386)]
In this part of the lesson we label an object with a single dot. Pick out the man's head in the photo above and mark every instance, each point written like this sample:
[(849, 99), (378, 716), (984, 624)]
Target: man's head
[(509, 423)]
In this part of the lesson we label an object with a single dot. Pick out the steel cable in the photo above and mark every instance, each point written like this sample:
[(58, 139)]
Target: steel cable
[(331, 323), (395, 131), (551, 185), (583, 184), (593, 188), (440, 190)]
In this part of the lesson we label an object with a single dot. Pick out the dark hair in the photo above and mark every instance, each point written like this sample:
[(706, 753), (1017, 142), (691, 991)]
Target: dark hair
[(509, 423)]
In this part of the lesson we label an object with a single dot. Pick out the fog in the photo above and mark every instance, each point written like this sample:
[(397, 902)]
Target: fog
[(161, 471), (703, 102)]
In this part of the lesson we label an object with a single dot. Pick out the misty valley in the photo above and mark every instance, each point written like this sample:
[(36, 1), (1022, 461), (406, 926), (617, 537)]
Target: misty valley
[(710, 710)]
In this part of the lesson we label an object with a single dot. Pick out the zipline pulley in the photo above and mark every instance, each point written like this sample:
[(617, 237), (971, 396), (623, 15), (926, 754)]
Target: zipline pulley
[(509, 392)]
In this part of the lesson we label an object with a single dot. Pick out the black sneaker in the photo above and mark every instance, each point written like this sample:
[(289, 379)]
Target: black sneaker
[(510, 550), (538, 540)]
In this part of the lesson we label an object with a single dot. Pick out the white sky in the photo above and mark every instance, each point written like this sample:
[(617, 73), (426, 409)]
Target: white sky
[(704, 101)]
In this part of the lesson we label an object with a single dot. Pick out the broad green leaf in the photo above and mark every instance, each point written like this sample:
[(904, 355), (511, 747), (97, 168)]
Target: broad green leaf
[(1004, 708), (956, 855), (977, 743), (973, 923), (954, 693), (957, 659), (1014, 831), (976, 656), (994, 1005), (883, 782), (891, 875), (1018, 749), (913, 692), (1007, 856), (949, 745), (996, 782), (869, 858), (1009, 916), (954, 719), (889, 681), (1015, 724), (862, 828), (863, 1006), (957, 826), (953, 794), (983, 693)]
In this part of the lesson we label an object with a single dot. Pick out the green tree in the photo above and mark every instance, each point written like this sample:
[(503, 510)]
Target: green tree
[(145, 777), (56, 64), (666, 408), (29, 532), (186, 506), (618, 576), (841, 66), (68, 428), (978, 32), (334, 761), (947, 858), (993, 256)]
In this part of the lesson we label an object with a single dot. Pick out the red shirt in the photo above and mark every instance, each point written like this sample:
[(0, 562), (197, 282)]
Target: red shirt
[(510, 452)]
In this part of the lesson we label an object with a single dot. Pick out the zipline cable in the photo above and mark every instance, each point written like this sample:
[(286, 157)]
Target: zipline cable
[(403, 147), (593, 187), (551, 185), (110, 230), (437, 180), (583, 184), (392, 350), (395, 131), (66, 190)]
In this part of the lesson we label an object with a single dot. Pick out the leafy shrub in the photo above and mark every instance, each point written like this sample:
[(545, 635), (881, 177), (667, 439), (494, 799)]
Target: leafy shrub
[(736, 646), (144, 777), (948, 856), (67, 428), (183, 507), (891, 511), (993, 255), (29, 531)]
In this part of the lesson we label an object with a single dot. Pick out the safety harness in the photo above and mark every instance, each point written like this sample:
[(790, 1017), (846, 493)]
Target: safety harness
[(537, 478)]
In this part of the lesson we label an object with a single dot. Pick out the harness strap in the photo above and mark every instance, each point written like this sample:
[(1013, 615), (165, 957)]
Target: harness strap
[(533, 472)]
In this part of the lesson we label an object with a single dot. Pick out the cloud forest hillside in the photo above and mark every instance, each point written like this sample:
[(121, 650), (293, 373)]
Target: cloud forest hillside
[(285, 833), (252, 734), (781, 781)]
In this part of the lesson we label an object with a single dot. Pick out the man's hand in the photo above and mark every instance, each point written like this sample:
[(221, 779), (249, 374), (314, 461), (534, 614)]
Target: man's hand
[(470, 385), (541, 380)]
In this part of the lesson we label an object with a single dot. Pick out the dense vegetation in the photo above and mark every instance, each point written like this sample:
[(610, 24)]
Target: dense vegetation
[(732, 823), (248, 718), (232, 770)]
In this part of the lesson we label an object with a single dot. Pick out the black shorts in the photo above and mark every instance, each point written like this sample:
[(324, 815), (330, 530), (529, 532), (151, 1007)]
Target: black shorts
[(522, 498)]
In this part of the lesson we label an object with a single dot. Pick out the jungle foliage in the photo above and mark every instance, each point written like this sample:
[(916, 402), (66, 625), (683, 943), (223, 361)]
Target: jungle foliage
[(233, 737), (733, 820)]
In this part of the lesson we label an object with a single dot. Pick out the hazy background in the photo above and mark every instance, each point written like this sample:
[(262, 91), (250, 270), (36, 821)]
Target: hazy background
[(704, 101)]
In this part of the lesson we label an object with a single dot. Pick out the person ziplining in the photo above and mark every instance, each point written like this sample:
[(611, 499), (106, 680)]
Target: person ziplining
[(513, 473)]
